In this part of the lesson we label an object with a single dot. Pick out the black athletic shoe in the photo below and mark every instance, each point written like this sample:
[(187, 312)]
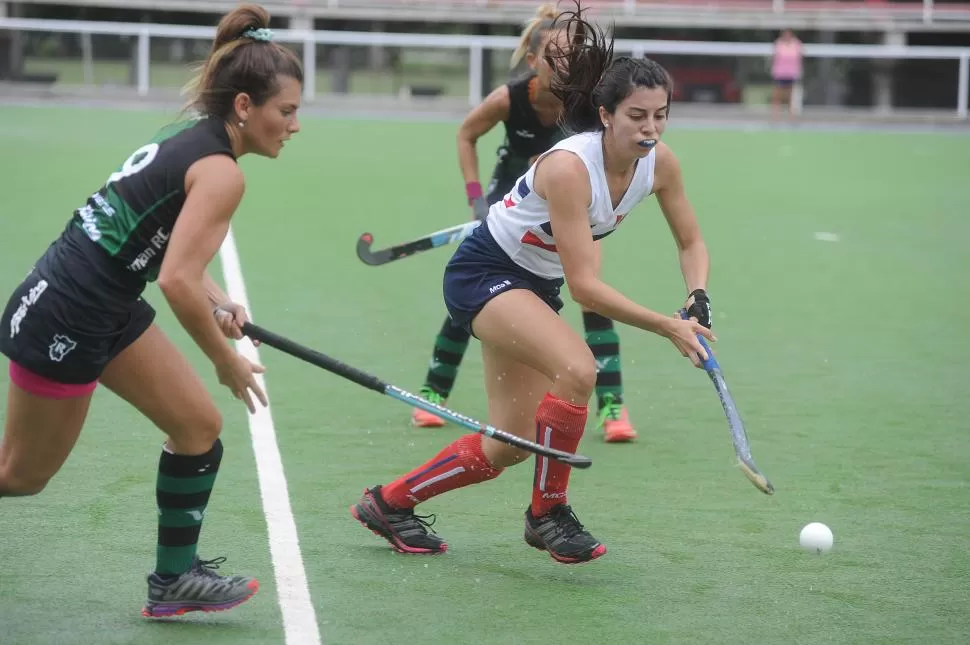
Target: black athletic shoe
[(560, 533)]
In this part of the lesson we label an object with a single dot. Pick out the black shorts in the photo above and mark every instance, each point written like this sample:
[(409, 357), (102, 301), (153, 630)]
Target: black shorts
[(480, 270), (785, 82), (498, 188), (49, 331), (506, 173)]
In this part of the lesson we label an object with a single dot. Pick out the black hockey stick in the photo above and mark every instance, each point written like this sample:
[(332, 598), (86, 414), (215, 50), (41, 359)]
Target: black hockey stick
[(314, 357)]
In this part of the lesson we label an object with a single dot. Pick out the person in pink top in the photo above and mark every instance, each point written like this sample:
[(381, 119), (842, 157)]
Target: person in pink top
[(786, 70)]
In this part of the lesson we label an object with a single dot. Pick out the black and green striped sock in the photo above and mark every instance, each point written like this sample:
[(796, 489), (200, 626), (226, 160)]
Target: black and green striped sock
[(182, 493), (604, 342), (449, 349)]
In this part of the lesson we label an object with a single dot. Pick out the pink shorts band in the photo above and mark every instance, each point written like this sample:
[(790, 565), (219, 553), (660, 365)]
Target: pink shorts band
[(42, 386)]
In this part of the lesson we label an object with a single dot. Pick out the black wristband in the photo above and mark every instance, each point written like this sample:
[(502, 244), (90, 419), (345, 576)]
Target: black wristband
[(700, 308)]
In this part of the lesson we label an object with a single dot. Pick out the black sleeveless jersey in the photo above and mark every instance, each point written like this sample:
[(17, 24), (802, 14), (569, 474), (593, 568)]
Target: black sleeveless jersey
[(525, 137), (114, 244)]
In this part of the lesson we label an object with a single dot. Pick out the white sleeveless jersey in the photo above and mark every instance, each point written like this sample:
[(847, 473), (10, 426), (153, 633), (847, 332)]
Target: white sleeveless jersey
[(520, 222)]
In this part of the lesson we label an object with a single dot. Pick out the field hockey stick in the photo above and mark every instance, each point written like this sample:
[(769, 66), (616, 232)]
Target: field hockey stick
[(445, 236), (738, 434), (314, 357)]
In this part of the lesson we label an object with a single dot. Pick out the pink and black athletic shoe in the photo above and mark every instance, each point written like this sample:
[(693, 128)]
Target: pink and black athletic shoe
[(405, 531)]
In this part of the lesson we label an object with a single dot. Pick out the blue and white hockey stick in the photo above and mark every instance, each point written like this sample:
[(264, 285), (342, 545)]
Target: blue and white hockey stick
[(445, 236), (738, 434)]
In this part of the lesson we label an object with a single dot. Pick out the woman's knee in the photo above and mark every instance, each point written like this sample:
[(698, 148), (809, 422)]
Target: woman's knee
[(210, 425), (576, 377), (199, 433)]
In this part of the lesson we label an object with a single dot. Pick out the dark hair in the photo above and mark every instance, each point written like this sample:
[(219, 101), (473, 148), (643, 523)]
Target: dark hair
[(535, 27), (586, 76), (242, 60)]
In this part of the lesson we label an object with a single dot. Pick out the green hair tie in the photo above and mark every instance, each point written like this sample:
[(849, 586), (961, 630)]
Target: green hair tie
[(262, 34)]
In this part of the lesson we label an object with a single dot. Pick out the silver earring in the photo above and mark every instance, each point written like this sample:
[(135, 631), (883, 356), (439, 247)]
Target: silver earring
[(242, 124)]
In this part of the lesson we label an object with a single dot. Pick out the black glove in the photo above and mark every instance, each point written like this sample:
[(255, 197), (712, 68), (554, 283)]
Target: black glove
[(699, 306), (480, 208)]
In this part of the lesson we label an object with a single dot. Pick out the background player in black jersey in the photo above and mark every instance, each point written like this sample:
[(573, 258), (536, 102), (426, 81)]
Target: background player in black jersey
[(531, 113), (78, 318)]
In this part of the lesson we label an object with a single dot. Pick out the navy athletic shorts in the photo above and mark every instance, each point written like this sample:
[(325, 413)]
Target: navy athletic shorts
[(480, 270)]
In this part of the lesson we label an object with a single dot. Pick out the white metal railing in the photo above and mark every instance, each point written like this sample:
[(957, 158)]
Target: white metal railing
[(476, 45), (880, 13)]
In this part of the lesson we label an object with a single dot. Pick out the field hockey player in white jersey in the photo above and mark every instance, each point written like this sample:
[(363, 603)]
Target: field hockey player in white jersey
[(503, 285)]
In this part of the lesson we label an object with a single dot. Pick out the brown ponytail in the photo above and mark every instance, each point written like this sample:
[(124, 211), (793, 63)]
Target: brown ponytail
[(587, 77), (578, 68), (242, 60)]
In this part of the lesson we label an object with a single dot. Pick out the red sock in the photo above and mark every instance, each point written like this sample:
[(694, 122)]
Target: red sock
[(459, 464), (559, 425)]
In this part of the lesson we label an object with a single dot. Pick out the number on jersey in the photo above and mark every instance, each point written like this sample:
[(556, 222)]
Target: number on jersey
[(137, 162)]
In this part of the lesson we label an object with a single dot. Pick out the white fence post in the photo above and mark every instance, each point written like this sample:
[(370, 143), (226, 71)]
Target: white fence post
[(309, 68), (798, 97), (963, 86), (87, 58), (304, 24), (475, 74), (144, 60)]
